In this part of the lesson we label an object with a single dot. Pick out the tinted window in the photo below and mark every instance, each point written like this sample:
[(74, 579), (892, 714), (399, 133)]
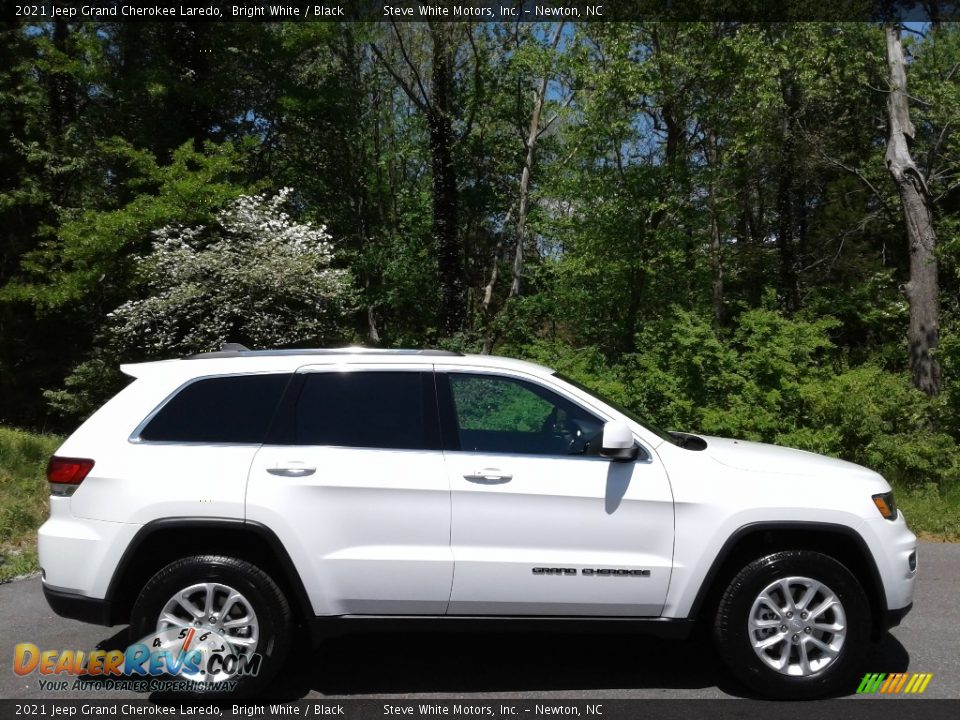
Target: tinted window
[(368, 409), (235, 409), (505, 415)]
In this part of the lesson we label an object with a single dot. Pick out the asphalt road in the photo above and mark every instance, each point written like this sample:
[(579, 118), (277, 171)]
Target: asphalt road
[(518, 666)]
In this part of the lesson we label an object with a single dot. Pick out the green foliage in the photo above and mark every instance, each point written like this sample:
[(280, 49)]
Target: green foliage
[(712, 237), (932, 512), (493, 405), (773, 379), (97, 247), (23, 497), (254, 276), (872, 417), (743, 383), (88, 386)]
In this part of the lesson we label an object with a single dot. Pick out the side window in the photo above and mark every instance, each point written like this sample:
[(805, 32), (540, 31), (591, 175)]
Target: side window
[(505, 415), (234, 409), (367, 409)]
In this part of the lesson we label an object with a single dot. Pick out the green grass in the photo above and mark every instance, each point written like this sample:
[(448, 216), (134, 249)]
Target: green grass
[(933, 513), (23, 497)]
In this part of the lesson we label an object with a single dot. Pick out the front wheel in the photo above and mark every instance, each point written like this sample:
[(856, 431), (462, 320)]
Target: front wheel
[(794, 625), (220, 625)]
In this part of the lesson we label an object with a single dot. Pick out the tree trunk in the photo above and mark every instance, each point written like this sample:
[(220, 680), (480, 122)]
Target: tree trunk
[(445, 186), (488, 290), (61, 111), (533, 134), (716, 266), (492, 282), (372, 331), (922, 290), (523, 204), (716, 249), (789, 283), (437, 110)]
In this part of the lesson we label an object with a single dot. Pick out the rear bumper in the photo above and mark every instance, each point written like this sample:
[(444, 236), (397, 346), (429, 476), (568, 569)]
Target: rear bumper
[(79, 607)]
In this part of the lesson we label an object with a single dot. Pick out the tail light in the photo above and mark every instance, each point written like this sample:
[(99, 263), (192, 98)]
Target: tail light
[(66, 474)]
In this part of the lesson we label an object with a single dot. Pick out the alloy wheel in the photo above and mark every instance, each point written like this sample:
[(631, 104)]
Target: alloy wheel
[(797, 626), (223, 621)]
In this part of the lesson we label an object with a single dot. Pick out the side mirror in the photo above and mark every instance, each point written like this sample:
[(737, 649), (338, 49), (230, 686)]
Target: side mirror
[(618, 444)]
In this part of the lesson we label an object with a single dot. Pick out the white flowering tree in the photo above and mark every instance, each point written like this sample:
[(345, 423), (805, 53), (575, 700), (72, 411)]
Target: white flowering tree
[(255, 276)]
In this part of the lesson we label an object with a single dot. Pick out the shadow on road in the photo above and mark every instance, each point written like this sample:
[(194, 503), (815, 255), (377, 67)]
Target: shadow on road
[(464, 663), (888, 656), (453, 664), (373, 664)]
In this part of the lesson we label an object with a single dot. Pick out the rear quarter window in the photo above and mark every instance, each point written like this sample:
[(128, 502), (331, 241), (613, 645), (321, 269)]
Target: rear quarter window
[(232, 409)]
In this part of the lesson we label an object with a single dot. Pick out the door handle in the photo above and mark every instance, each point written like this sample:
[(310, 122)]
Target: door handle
[(489, 476), (292, 470)]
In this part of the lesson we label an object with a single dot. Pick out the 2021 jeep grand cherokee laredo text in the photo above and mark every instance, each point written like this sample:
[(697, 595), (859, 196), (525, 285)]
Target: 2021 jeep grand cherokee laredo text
[(247, 493)]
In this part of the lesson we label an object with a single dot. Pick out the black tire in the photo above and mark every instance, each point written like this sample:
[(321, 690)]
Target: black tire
[(264, 595), (732, 635)]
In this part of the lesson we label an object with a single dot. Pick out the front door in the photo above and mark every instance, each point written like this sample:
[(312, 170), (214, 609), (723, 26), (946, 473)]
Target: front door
[(541, 524)]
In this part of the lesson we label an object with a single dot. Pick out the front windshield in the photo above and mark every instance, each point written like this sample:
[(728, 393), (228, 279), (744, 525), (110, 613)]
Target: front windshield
[(669, 437)]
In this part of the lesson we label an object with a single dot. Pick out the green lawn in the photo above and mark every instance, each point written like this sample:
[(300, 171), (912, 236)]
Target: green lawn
[(23, 497), (933, 514)]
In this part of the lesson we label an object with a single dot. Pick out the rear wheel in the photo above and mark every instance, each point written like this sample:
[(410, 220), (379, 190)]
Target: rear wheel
[(224, 623), (794, 625)]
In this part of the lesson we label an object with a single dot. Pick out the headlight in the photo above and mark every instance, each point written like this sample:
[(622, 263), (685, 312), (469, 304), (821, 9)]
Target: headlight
[(886, 505)]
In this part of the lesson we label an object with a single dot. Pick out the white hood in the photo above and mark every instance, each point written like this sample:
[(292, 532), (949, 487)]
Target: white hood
[(760, 457)]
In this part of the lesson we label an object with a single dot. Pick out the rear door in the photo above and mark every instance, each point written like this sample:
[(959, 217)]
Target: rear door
[(541, 524), (353, 480)]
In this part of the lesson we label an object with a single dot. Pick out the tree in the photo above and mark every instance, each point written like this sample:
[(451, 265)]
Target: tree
[(257, 276), (431, 87), (535, 66), (922, 290), (48, 157), (534, 132)]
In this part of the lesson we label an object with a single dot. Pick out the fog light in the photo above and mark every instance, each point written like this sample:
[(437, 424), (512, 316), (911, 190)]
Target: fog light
[(912, 561)]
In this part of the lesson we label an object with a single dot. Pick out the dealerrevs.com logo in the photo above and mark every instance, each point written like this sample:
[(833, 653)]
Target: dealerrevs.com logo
[(195, 659), (894, 683)]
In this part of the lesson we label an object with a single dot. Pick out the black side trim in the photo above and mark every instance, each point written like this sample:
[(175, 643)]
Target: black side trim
[(449, 430), (740, 533), (184, 524), (331, 626), (431, 417), (79, 607), (895, 617), (282, 430)]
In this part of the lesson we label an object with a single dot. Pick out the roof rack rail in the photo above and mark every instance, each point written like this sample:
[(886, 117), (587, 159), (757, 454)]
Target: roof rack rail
[(228, 350)]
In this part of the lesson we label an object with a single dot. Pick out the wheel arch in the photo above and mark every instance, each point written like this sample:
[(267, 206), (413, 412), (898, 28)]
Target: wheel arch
[(160, 542), (755, 540)]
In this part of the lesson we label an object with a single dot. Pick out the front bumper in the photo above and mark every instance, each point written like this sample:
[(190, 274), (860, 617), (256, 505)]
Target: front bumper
[(894, 617), (894, 549)]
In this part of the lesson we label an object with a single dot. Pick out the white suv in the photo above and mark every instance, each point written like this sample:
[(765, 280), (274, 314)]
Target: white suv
[(246, 494)]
